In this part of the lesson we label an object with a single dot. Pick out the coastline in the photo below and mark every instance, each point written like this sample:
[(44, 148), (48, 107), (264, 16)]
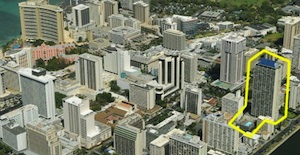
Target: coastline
[(284, 140)]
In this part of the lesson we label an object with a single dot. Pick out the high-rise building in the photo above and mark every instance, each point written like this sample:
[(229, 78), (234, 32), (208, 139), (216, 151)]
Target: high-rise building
[(11, 77), (2, 85), (38, 89), (265, 88), (116, 60), (143, 95), (42, 138), (231, 103), (191, 99), (190, 67), (218, 135), (166, 24), (80, 120), (96, 11), (14, 136), (40, 20), (110, 8), (129, 136), (294, 100), (233, 48), (20, 116), (81, 15), (291, 29), (121, 20), (141, 11), (160, 145), (174, 40), (296, 53), (186, 144), (89, 71), (170, 75), (186, 24)]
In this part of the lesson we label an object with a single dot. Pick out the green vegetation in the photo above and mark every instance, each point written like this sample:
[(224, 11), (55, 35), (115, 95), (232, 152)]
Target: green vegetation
[(154, 42), (7, 46), (161, 103), (4, 149), (53, 64), (159, 118), (273, 37), (241, 2), (78, 50), (291, 115), (72, 75), (39, 42), (102, 99), (192, 129), (58, 99), (114, 87)]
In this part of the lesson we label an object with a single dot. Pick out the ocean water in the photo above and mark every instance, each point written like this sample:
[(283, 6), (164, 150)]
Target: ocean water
[(10, 19)]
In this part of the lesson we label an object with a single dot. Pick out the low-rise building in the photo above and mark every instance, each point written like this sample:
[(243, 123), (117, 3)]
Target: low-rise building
[(122, 35), (14, 136)]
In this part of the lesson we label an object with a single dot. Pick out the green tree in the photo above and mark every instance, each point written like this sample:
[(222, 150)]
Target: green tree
[(114, 87), (37, 42), (58, 99), (80, 39), (40, 63), (72, 75), (50, 43)]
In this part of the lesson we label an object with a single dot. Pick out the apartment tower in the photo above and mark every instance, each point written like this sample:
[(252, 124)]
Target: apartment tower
[(141, 11), (174, 40), (40, 20), (265, 88), (38, 89), (291, 29), (89, 71), (233, 48)]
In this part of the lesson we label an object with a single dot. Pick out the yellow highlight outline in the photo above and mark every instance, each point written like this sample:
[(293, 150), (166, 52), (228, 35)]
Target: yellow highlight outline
[(251, 134)]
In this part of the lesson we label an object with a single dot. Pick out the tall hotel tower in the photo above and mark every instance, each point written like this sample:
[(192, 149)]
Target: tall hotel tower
[(232, 58), (266, 83), (89, 71), (38, 89), (40, 20)]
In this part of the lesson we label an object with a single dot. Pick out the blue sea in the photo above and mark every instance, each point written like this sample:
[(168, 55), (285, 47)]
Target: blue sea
[(10, 20)]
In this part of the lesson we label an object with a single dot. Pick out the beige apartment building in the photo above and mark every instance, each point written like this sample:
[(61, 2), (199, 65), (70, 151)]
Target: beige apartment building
[(40, 20)]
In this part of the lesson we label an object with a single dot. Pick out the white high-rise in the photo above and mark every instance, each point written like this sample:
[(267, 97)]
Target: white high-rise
[(38, 89), (231, 103), (143, 95), (89, 71), (2, 85), (116, 61), (233, 48), (110, 8), (80, 120), (129, 136), (186, 144), (218, 135), (294, 101), (291, 29), (96, 11), (174, 40), (191, 99), (21, 116), (190, 67), (170, 75), (296, 53), (81, 15), (141, 11)]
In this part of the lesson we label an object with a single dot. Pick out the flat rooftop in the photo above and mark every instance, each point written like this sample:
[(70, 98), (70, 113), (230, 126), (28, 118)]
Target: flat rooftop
[(268, 63)]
